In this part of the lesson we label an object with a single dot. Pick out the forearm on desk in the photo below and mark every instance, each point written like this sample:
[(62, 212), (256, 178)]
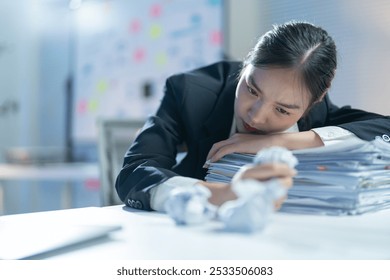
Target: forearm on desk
[(316, 137)]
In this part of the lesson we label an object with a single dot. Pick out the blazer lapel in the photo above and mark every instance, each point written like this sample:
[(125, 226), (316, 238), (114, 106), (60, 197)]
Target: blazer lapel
[(218, 125)]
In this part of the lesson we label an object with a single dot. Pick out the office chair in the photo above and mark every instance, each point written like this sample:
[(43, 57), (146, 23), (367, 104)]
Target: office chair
[(115, 137)]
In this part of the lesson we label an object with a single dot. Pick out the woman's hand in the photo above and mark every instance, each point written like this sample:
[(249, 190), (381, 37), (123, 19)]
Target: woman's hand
[(221, 192), (252, 143), (241, 143)]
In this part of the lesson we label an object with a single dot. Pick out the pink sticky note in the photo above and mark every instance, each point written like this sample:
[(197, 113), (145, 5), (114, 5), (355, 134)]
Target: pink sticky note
[(139, 55), (155, 10), (216, 37), (82, 106), (135, 26)]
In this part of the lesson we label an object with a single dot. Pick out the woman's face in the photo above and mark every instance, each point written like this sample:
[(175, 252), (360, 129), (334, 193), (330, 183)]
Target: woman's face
[(269, 100)]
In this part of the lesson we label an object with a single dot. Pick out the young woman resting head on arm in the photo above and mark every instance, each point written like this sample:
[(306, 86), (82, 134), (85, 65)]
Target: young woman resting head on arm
[(276, 97)]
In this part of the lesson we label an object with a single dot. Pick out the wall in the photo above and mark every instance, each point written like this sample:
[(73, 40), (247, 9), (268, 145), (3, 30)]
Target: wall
[(18, 75), (243, 26), (361, 31), (54, 69)]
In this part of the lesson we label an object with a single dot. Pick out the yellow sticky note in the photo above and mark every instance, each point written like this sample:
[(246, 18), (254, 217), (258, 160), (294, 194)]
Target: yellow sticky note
[(93, 105), (102, 86), (161, 59), (155, 31)]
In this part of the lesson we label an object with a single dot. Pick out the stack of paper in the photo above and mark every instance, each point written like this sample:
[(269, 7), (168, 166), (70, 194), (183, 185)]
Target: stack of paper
[(347, 178)]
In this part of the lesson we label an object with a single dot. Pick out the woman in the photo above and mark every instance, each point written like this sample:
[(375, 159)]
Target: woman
[(277, 96)]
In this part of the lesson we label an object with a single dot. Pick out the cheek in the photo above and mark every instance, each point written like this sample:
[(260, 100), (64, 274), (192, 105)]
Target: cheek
[(239, 107), (241, 102)]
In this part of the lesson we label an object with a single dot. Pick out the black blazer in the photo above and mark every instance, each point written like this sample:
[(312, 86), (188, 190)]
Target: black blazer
[(197, 110)]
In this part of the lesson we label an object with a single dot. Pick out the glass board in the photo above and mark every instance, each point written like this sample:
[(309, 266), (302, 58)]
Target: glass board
[(124, 50)]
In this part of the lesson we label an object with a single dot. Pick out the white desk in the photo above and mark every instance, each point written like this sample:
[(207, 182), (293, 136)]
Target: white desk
[(66, 172), (150, 235), (54, 171)]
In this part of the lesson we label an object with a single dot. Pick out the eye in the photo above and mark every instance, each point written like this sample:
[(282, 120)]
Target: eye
[(251, 91), (282, 111)]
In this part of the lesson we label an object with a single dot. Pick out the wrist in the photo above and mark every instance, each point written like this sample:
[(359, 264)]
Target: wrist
[(220, 193)]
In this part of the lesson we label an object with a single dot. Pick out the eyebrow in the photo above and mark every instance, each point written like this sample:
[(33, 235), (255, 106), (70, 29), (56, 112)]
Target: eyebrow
[(288, 106)]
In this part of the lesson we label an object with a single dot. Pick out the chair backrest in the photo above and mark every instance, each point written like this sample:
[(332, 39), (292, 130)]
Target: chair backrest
[(115, 137)]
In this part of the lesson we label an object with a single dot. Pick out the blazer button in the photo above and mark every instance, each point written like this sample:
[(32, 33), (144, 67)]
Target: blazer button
[(130, 202), (138, 204), (386, 138)]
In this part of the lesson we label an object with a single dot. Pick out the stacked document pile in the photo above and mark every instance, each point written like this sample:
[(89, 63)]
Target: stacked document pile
[(346, 178)]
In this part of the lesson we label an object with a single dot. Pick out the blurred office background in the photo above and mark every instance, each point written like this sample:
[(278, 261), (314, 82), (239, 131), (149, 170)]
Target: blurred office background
[(64, 64)]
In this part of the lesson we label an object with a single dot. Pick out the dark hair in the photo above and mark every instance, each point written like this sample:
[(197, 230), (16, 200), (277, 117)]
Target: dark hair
[(301, 46)]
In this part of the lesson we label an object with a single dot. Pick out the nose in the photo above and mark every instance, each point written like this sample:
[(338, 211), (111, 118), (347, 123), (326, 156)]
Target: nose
[(258, 114)]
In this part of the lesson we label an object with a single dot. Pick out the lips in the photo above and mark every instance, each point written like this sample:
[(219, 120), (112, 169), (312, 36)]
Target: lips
[(249, 128)]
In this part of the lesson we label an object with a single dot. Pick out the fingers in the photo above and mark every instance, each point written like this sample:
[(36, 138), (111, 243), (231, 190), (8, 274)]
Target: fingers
[(231, 145), (238, 143), (220, 192), (218, 150), (278, 203)]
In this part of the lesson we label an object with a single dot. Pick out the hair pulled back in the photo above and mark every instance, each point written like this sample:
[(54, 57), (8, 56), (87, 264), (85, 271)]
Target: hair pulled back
[(300, 46)]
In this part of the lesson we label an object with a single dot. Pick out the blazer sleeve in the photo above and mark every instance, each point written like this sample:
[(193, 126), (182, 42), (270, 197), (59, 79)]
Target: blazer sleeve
[(150, 163), (365, 125), (189, 100)]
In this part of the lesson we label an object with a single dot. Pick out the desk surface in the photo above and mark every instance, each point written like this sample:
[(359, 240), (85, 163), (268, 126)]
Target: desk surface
[(151, 235)]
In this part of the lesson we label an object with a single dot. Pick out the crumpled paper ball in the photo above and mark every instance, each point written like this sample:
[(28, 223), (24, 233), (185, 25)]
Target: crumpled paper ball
[(276, 155), (190, 206), (252, 209)]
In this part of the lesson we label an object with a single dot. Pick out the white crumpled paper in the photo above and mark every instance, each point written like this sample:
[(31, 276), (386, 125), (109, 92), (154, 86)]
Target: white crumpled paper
[(189, 206), (276, 155), (252, 209), (255, 203)]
